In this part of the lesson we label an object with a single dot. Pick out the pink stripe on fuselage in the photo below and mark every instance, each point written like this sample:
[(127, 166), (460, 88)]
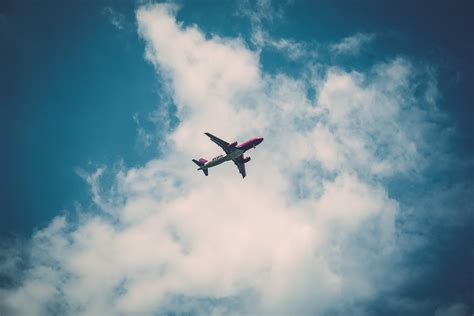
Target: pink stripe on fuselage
[(247, 142)]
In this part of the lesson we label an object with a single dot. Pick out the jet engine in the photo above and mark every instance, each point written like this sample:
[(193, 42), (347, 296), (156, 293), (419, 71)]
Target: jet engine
[(247, 159), (232, 145)]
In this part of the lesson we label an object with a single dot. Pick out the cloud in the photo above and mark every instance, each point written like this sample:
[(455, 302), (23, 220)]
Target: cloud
[(116, 19), (292, 49), (353, 44), (261, 11), (260, 14), (145, 138), (311, 230)]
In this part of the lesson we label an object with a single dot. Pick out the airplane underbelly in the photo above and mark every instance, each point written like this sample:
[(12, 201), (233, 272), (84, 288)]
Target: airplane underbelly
[(236, 153), (214, 163)]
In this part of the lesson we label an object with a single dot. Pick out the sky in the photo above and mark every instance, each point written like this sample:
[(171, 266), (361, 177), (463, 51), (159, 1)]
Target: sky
[(359, 201)]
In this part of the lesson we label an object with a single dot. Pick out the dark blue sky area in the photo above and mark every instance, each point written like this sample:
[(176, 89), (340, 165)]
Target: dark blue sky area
[(71, 81)]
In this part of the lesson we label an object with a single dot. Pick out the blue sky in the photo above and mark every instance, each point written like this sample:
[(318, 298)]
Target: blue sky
[(366, 168)]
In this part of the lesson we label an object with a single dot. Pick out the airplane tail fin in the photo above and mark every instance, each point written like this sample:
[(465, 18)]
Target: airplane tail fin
[(201, 162)]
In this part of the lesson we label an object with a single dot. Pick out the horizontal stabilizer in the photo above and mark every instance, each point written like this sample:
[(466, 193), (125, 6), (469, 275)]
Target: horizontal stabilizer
[(201, 162)]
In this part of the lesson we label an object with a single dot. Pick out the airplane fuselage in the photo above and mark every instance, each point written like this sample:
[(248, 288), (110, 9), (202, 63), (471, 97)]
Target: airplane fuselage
[(222, 158), (237, 151), (232, 152)]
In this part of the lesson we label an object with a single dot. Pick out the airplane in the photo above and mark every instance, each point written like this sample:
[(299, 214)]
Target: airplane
[(232, 151)]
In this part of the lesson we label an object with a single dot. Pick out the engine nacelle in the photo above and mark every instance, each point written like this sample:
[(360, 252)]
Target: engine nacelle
[(246, 159), (232, 145)]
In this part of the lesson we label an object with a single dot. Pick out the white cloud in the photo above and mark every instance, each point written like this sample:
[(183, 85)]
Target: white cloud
[(293, 50), (264, 12), (261, 11), (172, 234), (115, 18), (353, 44), (145, 138)]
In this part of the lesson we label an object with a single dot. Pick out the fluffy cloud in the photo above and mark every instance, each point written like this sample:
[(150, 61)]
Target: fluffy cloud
[(312, 226)]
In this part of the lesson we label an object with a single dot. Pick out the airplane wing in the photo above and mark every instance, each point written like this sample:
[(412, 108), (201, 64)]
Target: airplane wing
[(239, 162), (221, 143)]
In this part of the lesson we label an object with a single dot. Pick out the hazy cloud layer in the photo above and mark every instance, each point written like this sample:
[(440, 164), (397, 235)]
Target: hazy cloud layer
[(312, 229)]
